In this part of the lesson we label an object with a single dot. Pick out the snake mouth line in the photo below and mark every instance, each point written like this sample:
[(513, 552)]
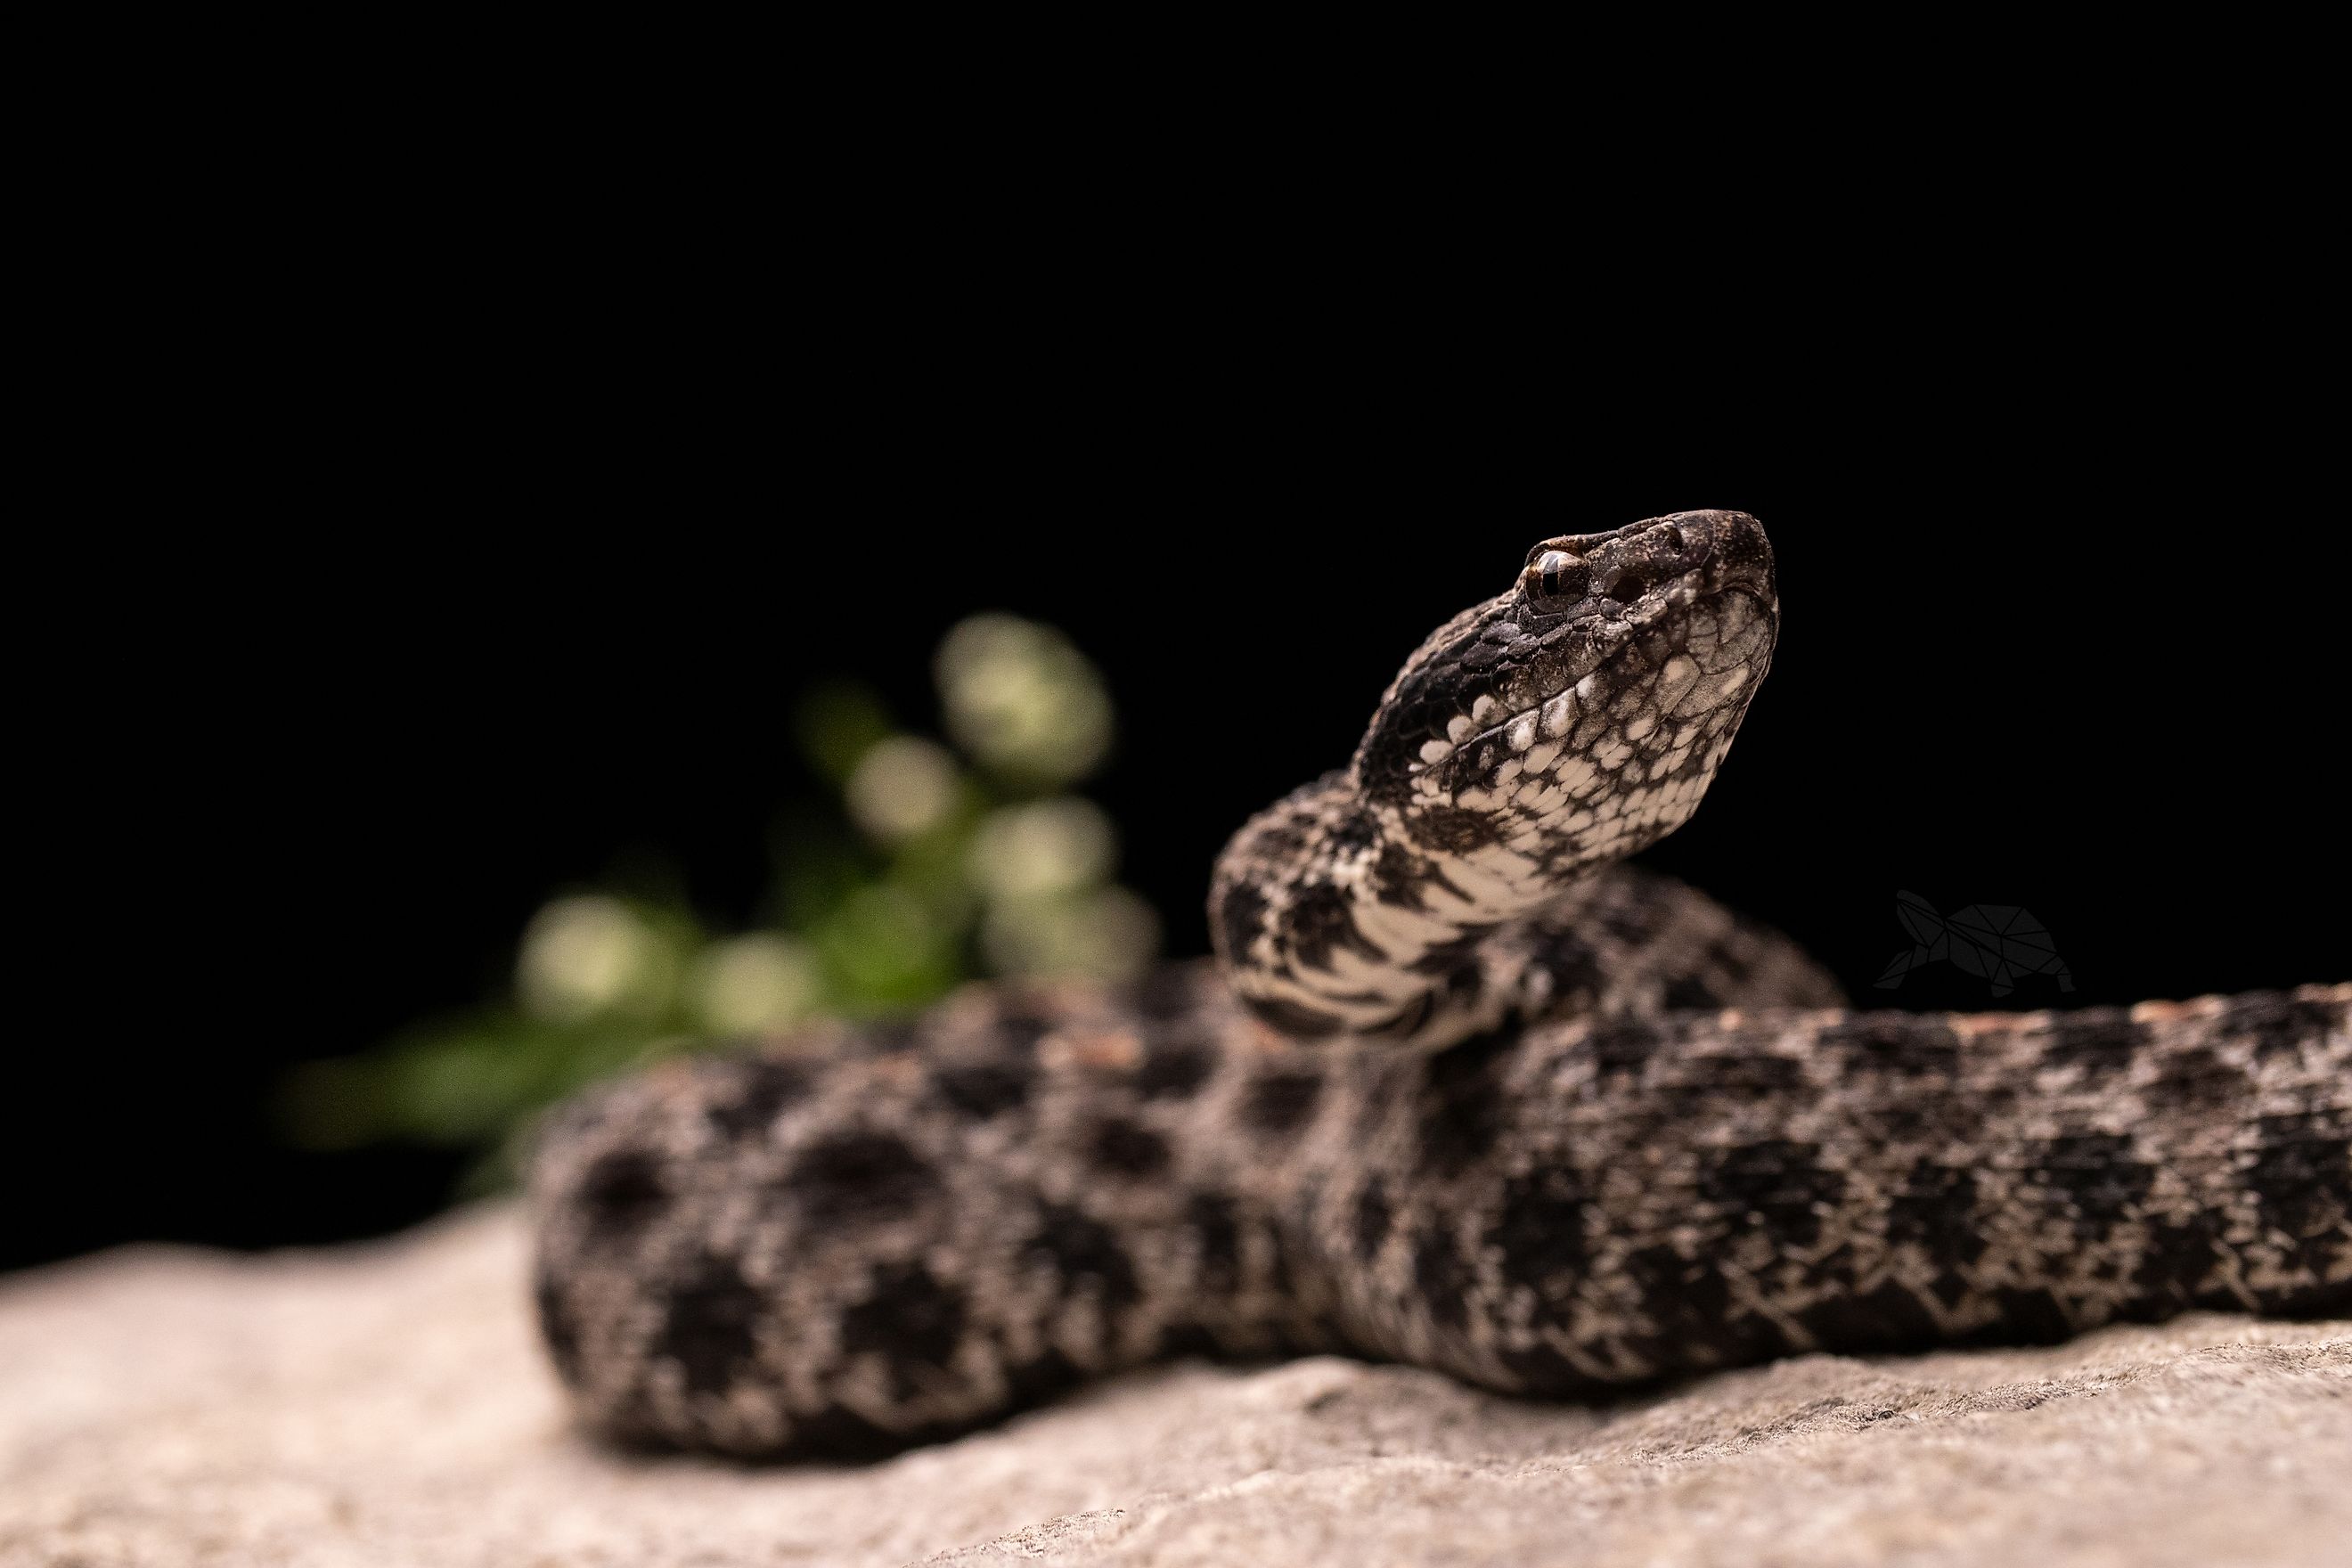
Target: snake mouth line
[(1672, 596)]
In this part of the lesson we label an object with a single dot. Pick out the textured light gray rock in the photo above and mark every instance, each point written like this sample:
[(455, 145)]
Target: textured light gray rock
[(387, 1405)]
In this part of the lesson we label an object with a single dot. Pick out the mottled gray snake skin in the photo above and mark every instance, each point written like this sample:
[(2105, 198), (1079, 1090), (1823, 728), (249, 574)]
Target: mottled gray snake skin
[(1462, 1090)]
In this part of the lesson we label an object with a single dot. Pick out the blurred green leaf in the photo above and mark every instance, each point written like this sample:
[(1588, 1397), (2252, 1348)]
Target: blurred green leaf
[(925, 869)]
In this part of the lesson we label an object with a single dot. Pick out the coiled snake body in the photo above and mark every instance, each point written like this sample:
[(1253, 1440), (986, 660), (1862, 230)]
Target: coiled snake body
[(1461, 1091)]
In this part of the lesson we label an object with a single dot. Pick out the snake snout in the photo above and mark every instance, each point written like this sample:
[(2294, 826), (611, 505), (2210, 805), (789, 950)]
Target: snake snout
[(1730, 546)]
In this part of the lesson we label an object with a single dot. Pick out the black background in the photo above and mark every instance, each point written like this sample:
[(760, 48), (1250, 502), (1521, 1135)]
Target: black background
[(377, 636)]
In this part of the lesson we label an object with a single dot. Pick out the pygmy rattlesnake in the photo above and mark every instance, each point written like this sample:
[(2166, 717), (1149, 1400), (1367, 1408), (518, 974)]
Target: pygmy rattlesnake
[(1461, 1091)]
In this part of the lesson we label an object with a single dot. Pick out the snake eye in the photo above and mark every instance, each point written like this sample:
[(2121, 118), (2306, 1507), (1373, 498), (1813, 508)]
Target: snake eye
[(1560, 576)]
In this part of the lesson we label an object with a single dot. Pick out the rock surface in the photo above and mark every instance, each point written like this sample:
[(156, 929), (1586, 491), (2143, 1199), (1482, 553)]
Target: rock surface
[(387, 1404)]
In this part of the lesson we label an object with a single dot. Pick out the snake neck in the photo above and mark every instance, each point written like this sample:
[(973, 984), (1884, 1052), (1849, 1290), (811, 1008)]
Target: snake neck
[(1332, 915)]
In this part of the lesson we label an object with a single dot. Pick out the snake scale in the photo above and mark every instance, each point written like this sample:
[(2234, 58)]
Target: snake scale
[(1460, 1090)]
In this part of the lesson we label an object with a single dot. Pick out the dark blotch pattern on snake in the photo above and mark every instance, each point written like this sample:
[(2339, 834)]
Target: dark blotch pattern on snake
[(1460, 1091)]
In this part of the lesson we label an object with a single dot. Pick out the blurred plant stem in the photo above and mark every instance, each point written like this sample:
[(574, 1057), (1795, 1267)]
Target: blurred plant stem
[(931, 864)]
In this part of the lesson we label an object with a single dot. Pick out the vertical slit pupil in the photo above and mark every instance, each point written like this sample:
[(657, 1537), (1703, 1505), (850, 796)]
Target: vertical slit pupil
[(1552, 570)]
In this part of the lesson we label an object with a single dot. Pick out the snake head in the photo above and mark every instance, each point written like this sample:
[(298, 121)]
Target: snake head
[(1580, 713), (1575, 573)]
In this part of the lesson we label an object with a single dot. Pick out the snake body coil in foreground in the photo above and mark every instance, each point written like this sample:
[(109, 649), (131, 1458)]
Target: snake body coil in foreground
[(1461, 1091)]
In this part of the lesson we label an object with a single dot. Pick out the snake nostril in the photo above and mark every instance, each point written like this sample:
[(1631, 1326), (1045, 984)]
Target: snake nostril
[(1674, 538)]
